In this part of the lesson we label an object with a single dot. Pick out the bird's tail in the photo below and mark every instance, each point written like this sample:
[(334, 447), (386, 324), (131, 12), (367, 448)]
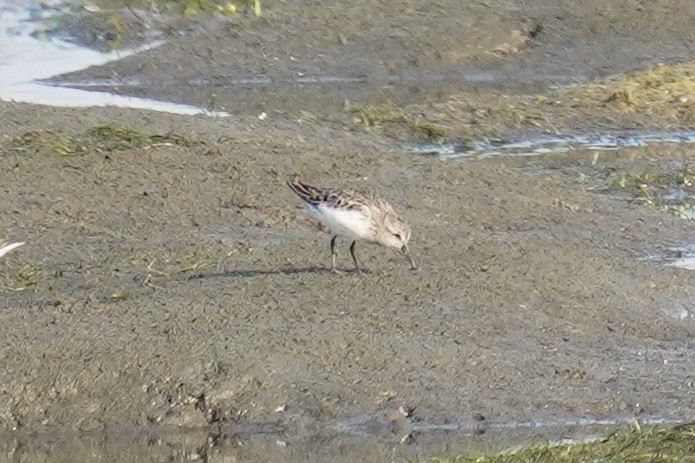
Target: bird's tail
[(308, 193)]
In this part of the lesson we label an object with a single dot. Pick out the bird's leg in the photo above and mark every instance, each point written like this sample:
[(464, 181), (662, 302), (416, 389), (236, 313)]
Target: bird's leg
[(352, 252), (333, 253), (406, 250)]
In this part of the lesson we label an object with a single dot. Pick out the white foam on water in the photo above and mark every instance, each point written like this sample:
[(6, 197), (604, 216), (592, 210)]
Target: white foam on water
[(25, 59)]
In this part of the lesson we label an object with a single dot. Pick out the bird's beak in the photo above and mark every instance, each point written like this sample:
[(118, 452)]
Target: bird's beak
[(406, 250)]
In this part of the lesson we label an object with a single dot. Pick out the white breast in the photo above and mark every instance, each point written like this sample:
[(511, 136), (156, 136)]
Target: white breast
[(352, 224)]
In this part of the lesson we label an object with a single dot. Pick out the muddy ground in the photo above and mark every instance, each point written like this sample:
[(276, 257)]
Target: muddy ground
[(173, 279)]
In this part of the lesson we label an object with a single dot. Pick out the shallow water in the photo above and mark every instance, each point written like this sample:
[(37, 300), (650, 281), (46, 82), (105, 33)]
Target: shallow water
[(540, 145), (26, 59), (362, 426), (682, 257), (416, 444)]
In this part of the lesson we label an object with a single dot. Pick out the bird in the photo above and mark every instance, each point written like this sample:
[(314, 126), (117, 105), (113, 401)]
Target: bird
[(356, 216)]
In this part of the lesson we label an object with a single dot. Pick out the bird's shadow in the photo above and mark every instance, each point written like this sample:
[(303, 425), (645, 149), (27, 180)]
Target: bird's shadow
[(249, 273)]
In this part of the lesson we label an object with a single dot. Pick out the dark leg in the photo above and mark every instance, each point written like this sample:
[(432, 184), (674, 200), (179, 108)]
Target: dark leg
[(333, 254), (352, 252), (406, 250)]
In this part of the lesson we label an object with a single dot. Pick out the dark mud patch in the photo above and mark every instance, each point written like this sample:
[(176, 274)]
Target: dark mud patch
[(648, 106), (243, 64)]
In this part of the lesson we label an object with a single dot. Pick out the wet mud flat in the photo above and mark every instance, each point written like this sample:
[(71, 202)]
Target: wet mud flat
[(170, 280), (196, 299)]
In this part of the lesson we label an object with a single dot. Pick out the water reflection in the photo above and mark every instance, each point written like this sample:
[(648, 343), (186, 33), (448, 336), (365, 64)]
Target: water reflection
[(423, 441)]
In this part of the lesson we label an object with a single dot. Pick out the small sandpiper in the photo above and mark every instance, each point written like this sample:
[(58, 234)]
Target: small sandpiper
[(356, 216)]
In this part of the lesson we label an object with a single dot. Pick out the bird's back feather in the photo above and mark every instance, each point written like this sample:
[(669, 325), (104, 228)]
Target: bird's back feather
[(316, 196)]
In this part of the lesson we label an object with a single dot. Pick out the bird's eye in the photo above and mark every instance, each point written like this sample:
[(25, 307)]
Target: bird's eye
[(398, 235)]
